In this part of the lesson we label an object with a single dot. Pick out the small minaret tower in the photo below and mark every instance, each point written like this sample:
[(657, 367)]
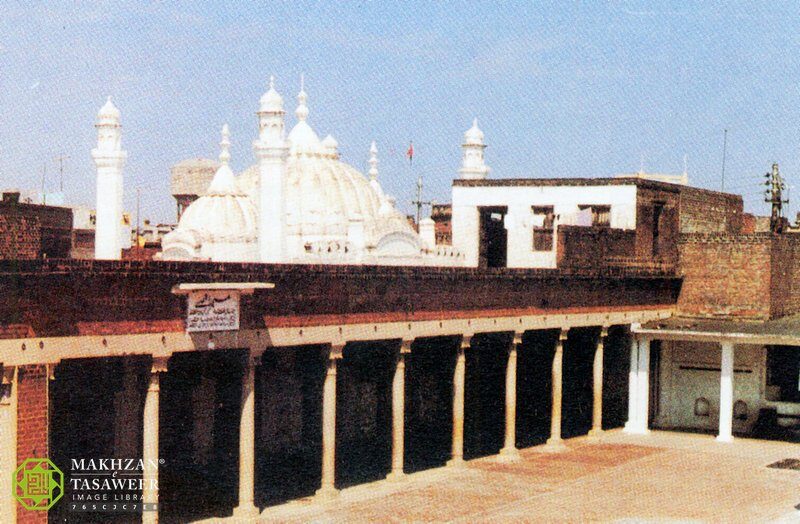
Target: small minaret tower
[(270, 151), (472, 162), (109, 158), (373, 169)]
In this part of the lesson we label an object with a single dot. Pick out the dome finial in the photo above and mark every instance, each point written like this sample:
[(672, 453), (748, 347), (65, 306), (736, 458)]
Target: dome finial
[(225, 145), (302, 109), (373, 161), (272, 81)]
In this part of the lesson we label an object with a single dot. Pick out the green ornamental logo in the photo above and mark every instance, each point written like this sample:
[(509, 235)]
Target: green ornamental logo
[(38, 484)]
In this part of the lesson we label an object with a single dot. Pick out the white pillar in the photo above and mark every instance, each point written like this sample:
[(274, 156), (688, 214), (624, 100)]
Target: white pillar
[(554, 443), (597, 385), (150, 440), (398, 411), (643, 388), (247, 441), (8, 444), (509, 451), (459, 376), (726, 394), (328, 488), (633, 387)]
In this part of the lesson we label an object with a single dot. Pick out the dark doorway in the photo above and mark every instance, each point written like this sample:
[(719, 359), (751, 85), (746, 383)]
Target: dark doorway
[(289, 423), (95, 413), (364, 412), (200, 408), (658, 210), (616, 364), (493, 237), (534, 392), (576, 410), (484, 395), (429, 402)]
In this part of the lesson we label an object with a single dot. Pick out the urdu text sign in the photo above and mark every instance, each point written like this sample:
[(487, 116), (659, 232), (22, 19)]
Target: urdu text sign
[(212, 310)]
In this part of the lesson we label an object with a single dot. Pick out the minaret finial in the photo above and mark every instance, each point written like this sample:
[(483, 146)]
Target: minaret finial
[(373, 161), (272, 81), (302, 108), (225, 145)]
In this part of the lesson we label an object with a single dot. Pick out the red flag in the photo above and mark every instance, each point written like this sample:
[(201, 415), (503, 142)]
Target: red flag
[(410, 152)]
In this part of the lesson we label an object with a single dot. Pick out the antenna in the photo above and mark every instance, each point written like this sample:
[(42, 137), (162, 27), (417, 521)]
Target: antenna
[(419, 202), (138, 191), (60, 159), (44, 176), (724, 154)]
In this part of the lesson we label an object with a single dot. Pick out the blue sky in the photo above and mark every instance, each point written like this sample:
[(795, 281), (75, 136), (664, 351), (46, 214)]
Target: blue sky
[(560, 89)]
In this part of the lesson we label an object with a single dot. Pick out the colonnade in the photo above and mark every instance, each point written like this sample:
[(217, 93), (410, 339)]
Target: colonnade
[(639, 389), (247, 432)]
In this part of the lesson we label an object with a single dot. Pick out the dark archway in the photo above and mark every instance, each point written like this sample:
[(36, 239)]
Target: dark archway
[(96, 410), (484, 394), (616, 365), (576, 412), (200, 406), (364, 412), (289, 423), (429, 402), (534, 392)]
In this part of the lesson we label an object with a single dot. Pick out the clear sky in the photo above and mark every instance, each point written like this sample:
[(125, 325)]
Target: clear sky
[(560, 89)]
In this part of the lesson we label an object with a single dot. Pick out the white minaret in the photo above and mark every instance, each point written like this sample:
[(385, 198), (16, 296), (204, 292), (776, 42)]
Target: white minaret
[(271, 150), (109, 158), (472, 163)]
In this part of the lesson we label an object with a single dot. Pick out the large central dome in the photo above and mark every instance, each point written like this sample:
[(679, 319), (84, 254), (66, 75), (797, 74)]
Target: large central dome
[(331, 212)]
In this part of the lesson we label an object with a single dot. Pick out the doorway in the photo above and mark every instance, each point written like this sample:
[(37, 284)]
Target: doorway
[(493, 237)]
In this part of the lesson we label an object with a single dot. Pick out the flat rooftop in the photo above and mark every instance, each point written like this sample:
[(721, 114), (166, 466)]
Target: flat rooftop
[(779, 331), (660, 477)]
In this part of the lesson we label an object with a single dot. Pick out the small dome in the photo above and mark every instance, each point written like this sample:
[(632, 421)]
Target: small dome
[(225, 213), (473, 135), (271, 101), (108, 114), (330, 146)]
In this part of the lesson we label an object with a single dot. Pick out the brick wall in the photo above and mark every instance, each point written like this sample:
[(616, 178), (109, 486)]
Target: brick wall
[(20, 235), (73, 297), (589, 246), (32, 425), (755, 275), (32, 231), (785, 268), (648, 201), (704, 211)]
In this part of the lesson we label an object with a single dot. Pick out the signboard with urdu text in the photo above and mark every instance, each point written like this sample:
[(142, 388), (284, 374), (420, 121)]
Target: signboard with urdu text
[(212, 310)]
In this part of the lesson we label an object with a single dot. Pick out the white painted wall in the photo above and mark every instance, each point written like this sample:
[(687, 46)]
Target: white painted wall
[(679, 388), (519, 221)]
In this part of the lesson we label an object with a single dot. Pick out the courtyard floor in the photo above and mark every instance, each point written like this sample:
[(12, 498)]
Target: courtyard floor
[(660, 477)]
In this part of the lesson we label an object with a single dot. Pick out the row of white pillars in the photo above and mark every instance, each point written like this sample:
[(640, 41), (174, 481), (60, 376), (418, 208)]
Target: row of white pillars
[(247, 508), (639, 390)]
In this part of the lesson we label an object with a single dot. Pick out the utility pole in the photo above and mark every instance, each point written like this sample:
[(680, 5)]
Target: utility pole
[(724, 152), (60, 159), (774, 196), (419, 202)]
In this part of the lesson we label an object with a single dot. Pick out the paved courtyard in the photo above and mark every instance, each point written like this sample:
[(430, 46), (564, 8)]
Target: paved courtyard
[(661, 477)]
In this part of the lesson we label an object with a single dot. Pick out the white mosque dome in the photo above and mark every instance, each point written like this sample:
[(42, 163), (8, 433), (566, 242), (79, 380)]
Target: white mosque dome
[(330, 212), (219, 225), (323, 194)]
